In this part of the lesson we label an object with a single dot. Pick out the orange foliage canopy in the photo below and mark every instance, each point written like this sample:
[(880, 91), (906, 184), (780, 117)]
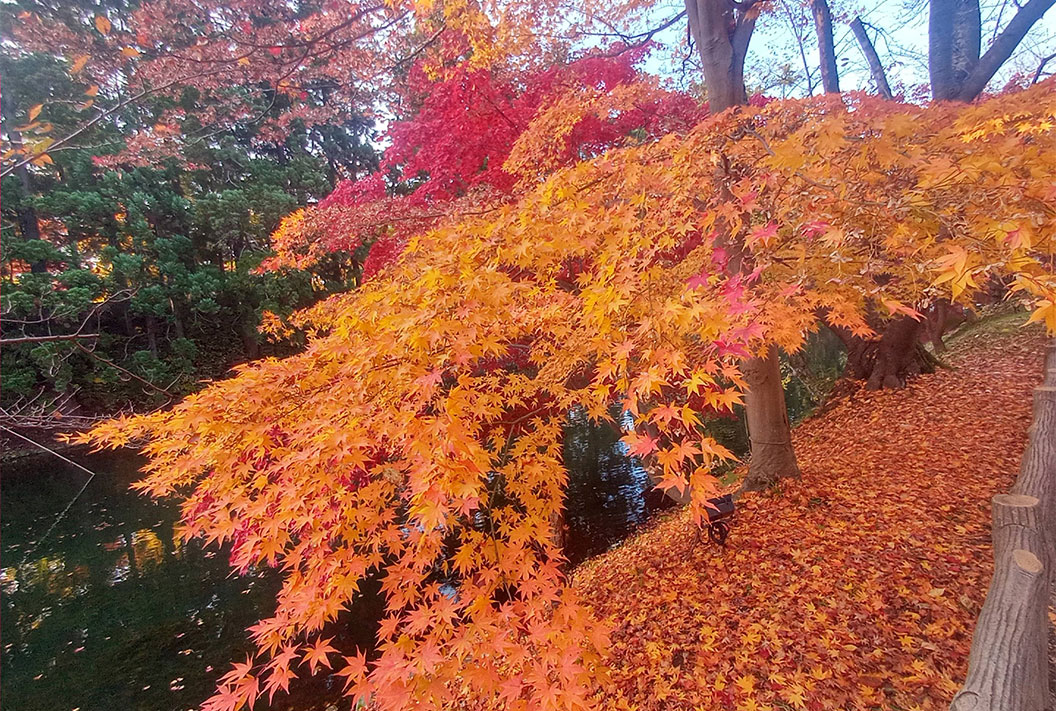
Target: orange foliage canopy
[(419, 433)]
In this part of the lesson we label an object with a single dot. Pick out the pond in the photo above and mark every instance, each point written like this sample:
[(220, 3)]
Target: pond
[(110, 611)]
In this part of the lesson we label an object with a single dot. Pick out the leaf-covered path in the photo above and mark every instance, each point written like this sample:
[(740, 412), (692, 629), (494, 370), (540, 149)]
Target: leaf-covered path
[(856, 587)]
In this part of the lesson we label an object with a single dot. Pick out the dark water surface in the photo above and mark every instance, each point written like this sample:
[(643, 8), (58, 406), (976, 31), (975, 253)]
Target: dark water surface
[(111, 612)]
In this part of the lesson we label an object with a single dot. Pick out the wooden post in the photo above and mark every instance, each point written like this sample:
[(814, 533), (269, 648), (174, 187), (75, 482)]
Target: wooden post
[(1007, 665), (1037, 473), (1017, 525), (1050, 364)]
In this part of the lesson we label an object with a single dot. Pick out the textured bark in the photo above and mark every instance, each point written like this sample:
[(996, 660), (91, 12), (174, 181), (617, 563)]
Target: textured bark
[(954, 33), (152, 335), (177, 321), (772, 455), (876, 67), (250, 341), (887, 362), (1002, 48), (956, 70), (938, 318), (558, 530), (721, 33), (830, 76), (1037, 473), (896, 358), (1006, 669), (943, 317), (1018, 522)]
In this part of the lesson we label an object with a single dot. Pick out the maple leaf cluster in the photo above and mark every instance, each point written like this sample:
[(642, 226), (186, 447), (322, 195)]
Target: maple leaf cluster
[(408, 439)]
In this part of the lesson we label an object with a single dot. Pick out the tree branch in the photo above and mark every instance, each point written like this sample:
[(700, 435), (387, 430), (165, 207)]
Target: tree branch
[(45, 339), (1002, 48), (1041, 68), (875, 66)]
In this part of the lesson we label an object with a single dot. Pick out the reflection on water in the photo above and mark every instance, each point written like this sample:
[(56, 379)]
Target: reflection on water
[(609, 494), (112, 611)]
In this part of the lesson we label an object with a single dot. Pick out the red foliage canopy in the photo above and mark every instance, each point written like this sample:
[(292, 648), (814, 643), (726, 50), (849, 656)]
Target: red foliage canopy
[(452, 155)]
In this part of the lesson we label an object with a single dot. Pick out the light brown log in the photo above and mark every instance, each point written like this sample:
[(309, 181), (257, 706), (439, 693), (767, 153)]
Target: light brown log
[(1050, 364), (1007, 666), (1017, 524), (1037, 473)]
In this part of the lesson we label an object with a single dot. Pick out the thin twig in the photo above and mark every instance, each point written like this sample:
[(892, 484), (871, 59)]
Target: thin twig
[(129, 373), (45, 339), (91, 476)]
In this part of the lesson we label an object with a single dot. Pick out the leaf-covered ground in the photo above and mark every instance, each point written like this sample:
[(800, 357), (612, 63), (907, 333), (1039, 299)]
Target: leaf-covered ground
[(856, 587)]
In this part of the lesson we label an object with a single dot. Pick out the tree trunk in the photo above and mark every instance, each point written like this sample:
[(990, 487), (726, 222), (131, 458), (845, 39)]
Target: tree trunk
[(876, 67), (176, 320), (250, 343), (830, 77), (887, 362), (956, 70), (935, 326), (558, 529), (942, 318), (772, 456), (25, 215), (722, 35), (954, 34), (152, 335), (896, 357), (984, 69)]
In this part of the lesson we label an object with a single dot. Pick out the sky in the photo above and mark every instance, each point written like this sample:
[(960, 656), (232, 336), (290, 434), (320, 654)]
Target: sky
[(898, 28)]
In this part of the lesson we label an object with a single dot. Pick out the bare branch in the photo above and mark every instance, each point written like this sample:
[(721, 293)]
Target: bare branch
[(1041, 68), (875, 67), (45, 339)]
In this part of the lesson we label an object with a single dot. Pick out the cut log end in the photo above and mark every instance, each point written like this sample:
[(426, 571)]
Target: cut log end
[(1027, 562), (965, 701), (1015, 500)]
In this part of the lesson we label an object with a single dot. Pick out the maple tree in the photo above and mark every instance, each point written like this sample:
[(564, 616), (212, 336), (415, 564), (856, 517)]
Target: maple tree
[(541, 264), (418, 434), (213, 67), (959, 70)]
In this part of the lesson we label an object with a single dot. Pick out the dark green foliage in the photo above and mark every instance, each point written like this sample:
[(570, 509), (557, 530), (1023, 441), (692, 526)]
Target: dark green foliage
[(158, 260), (812, 371)]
